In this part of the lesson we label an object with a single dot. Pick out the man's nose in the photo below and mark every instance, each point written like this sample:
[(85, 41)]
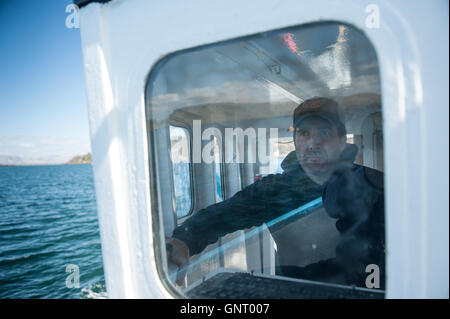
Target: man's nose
[(314, 140)]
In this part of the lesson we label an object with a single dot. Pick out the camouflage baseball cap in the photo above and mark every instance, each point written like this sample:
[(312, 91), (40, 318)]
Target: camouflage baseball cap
[(322, 107)]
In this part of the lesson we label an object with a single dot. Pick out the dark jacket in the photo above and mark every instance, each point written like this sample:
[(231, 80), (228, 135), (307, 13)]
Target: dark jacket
[(353, 195)]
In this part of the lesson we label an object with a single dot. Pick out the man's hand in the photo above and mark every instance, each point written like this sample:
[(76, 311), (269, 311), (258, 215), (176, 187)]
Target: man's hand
[(178, 253)]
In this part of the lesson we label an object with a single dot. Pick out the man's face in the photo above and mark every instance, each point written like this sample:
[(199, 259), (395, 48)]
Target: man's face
[(318, 145)]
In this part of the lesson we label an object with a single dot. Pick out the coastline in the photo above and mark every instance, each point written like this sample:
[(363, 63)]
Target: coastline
[(49, 164), (17, 161)]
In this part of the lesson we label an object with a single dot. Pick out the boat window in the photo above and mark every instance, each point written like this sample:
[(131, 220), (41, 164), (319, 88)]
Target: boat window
[(180, 156), (277, 164)]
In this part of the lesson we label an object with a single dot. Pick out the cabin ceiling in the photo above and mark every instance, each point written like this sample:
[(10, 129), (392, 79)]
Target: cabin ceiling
[(266, 75)]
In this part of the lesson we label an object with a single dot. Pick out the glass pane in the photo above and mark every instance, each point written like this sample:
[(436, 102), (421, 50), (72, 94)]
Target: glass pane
[(179, 142), (288, 126)]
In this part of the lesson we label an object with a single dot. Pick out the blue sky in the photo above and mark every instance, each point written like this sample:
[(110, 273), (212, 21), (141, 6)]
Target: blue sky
[(43, 111)]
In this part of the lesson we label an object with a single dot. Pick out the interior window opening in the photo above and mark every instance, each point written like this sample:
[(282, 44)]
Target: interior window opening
[(180, 156), (218, 169)]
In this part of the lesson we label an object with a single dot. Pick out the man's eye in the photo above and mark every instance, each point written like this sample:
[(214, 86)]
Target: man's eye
[(302, 133), (325, 133)]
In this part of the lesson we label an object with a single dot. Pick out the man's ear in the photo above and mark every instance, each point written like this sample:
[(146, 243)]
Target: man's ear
[(293, 136)]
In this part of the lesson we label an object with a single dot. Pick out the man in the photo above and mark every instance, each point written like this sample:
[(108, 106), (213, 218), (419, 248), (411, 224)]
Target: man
[(322, 165)]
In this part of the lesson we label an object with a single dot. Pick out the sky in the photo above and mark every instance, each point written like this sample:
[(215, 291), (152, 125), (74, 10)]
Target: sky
[(43, 105)]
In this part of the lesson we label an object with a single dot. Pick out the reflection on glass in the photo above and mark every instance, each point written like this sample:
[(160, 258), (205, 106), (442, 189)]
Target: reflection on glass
[(286, 163), (218, 170)]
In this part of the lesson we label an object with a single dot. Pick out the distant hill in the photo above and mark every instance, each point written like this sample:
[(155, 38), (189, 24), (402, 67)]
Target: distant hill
[(83, 159), (10, 160)]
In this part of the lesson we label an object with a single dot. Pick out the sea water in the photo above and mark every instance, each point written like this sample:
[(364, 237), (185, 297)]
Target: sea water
[(48, 220)]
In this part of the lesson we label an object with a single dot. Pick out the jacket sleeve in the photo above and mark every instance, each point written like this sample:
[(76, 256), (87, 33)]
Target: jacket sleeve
[(245, 209)]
